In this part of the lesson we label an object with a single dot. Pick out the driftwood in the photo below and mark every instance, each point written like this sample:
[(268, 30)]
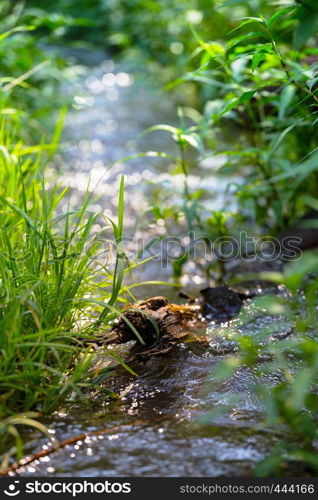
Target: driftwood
[(159, 324)]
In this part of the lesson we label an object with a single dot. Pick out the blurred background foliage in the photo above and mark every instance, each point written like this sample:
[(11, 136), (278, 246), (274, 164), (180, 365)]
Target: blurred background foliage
[(248, 76), (151, 35)]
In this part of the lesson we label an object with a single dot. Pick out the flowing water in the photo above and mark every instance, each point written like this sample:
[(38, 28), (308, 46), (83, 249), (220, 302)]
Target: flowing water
[(103, 138), (175, 418)]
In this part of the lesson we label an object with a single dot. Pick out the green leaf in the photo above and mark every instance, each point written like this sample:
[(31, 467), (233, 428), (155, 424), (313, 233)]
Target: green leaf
[(260, 54), (193, 75), (118, 278), (239, 39), (21, 420), (121, 206), (15, 30), (311, 83), (310, 201), (258, 57), (246, 96), (58, 131), (194, 140), (280, 13), (300, 171), (164, 127), (247, 20), (280, 138), (214, 49), (285, 99)]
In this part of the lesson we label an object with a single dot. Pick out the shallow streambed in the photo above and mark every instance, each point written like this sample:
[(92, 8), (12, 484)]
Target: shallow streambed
[(162, 424)]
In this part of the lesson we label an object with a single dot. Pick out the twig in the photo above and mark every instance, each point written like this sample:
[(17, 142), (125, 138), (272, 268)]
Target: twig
[(80, 437)]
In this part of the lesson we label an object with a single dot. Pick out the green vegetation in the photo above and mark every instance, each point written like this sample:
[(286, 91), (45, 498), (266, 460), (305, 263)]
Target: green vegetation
[(292, 403), (245, 77), (57, 285), (50, 297), (261, 81)]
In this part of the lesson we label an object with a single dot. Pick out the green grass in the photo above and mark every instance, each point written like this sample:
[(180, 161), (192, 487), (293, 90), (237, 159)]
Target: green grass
[(58, 288), (54, 287)]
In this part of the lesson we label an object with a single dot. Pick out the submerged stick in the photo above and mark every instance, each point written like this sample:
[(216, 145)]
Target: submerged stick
[(79, 437)]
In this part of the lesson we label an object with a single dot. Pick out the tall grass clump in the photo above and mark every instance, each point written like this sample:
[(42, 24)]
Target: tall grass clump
[(56, 290), (61, 282), (48, 271), (57, 281)]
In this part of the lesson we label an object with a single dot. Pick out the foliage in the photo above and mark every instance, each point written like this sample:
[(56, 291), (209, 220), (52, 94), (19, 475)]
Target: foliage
[(259, 97), (291, 358)]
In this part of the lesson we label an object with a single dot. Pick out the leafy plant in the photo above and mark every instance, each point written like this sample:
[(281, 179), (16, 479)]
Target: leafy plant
[(290, 404)]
